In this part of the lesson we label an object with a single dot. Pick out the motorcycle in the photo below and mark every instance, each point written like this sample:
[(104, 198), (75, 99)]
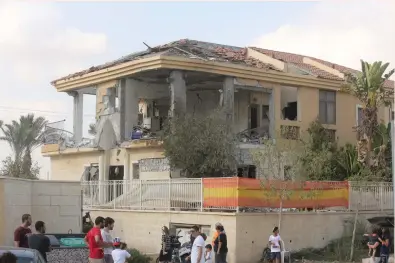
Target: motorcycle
[(185, 252), (174, 248)]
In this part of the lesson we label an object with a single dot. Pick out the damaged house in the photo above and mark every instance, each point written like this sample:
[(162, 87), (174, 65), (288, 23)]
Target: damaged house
[(261, 90)]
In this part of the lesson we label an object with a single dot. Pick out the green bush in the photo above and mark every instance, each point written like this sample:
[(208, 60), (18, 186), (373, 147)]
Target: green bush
[(138, 257)]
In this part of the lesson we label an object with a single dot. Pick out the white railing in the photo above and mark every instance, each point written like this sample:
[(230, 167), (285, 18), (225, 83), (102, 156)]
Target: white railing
[(187, 195), (171, 194), (371, 196)]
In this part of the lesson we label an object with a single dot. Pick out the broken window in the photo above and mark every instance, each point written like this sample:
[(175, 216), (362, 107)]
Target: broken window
[(289, 103), (327, 108), (247, 171)]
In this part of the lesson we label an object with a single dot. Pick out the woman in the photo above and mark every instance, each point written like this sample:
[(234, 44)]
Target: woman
[(220, 245), (385, 245)]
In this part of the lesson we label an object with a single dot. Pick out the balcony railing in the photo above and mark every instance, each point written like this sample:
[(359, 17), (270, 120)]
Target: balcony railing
[(236, 194)]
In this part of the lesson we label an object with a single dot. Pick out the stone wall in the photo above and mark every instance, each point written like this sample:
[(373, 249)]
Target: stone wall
[(57, 203)]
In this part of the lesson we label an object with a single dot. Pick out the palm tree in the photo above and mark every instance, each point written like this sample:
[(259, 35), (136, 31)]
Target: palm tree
[(23, 137), (369, 87), (34, 128)]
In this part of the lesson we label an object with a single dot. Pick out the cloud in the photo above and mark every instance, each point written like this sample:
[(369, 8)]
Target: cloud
[(37, 46), (341, 32)]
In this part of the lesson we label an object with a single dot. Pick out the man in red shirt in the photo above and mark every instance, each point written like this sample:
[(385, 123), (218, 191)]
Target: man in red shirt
[(95, 242), (22, 232)]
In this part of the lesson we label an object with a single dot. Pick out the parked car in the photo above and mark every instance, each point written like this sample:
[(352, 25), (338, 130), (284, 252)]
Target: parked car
[(24, 255)]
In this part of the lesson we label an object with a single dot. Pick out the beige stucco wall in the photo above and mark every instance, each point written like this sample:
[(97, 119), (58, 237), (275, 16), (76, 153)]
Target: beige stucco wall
[(70, 167), (142, 229), (308, 100), (57, 203), (248, 233)]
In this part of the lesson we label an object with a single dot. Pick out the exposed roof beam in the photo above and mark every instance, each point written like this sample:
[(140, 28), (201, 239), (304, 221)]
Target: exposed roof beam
[(321, 66)]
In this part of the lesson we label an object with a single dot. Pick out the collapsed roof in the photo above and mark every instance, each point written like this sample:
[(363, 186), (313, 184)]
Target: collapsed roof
[(194, 49)]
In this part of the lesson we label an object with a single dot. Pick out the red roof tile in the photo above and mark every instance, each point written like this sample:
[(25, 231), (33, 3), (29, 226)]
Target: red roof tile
[(297, 60), (225, 53), (345, 70)]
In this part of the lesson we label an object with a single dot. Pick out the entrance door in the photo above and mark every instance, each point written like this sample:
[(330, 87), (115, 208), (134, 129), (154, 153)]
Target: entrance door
[(253, 116)]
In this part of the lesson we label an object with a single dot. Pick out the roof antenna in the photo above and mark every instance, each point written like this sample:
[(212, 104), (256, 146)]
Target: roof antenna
[(149, 48)]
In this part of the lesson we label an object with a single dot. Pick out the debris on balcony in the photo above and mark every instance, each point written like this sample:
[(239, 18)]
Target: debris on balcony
[(253, 136)]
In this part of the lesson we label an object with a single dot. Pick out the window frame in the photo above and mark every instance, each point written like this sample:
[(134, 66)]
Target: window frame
[(326, 101)]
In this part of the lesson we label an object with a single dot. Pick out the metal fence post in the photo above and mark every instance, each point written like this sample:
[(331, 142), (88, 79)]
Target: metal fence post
[(381, 196), (350, 189), (201, 194), (141, 194), (169, 194), (114, 190)]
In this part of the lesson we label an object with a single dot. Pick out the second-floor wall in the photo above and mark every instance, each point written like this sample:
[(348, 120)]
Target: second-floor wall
[(292, 106)]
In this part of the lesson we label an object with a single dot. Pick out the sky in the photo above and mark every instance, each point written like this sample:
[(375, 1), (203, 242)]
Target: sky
[(43, 40)]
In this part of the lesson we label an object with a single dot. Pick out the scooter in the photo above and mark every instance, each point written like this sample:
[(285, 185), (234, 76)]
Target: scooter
[(267, 255)]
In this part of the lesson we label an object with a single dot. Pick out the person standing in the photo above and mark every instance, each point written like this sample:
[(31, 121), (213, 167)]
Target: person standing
[(376, 248), (215, 235), (275, 245), (22, 232), (197, 253), (95, 242), (39, 241), (105, 232), (385, 245), (220, 245)]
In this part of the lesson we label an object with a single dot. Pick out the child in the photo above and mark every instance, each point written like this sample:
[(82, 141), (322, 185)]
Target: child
[(208, 255), (119, 254)]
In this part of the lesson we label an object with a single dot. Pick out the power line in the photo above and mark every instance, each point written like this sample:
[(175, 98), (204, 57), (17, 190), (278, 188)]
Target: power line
[(57, 113)]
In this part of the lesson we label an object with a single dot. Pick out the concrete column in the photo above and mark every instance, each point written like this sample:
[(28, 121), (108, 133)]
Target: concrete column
[(121, 100), (178, 93), (130, 106), (229, 98), (78, 116), (276, 102), (109, 100), (103, 176), (272, 118), (126, 172)]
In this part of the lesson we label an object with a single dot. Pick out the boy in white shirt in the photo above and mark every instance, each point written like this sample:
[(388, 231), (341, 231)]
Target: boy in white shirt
[(208, 255), (119, 254), (275, 245)]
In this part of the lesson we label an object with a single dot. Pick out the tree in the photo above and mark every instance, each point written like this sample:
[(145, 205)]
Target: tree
[(369, 87), (201, 146), (276, 160), (12, 168), (23, 137), (317, 159)]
